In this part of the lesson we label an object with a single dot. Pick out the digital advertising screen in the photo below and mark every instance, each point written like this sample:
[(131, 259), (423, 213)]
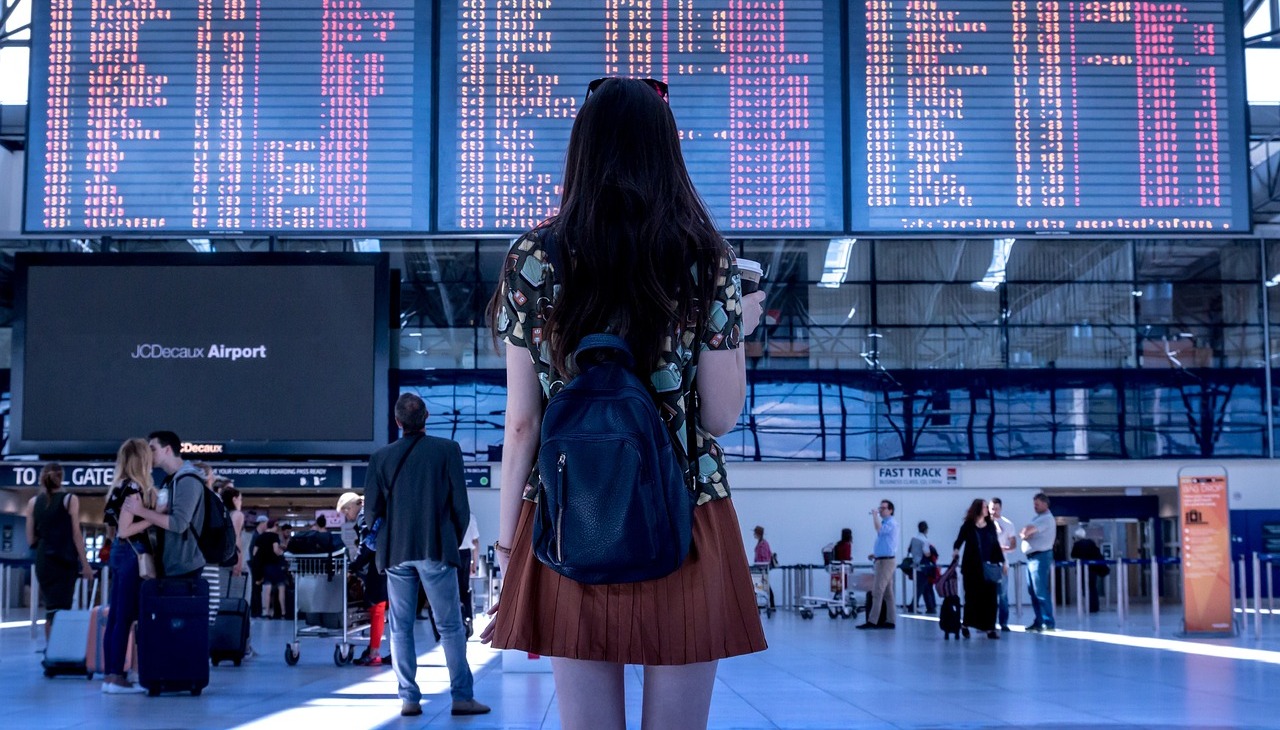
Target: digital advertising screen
[(1048, 116), (755, 88), (239, 354), (229, 116)]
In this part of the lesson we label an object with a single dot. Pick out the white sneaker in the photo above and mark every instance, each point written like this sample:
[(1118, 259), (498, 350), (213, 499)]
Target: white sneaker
[(111, 688)]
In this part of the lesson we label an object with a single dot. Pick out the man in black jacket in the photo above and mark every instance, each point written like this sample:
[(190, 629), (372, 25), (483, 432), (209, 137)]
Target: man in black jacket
[(416, 486)]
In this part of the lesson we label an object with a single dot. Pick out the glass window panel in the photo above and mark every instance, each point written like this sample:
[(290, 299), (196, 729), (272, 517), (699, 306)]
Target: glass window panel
[(1197, 417), (802, 260), (1185, 259), (1078, 261), (939, 261), (926, 348), (1075, 346), (936, 304), (845, 305), (1031, 304)]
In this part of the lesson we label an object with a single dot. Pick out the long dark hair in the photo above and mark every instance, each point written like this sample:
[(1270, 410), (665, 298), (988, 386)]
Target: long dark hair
[(975, 511), (630, 227), (51, 477)]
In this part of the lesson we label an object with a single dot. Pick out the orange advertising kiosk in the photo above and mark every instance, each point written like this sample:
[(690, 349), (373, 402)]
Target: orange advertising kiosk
[(1205, 536)]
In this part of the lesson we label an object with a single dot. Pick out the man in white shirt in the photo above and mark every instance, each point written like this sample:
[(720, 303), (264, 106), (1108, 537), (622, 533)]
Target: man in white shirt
[(924, 558), (1008, 538), (1037, 543)]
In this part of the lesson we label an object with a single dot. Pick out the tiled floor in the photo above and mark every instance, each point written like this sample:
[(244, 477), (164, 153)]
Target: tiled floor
[(817, 674)]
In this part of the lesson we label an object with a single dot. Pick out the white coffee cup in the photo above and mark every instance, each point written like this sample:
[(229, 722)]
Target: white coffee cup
[(752, 272)]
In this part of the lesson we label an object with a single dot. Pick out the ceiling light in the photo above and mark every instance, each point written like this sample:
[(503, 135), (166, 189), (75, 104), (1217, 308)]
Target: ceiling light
[(835, 267), (1000, 250)]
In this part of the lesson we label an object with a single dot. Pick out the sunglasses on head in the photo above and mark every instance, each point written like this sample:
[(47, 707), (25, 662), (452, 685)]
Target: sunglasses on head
[(660, 87)]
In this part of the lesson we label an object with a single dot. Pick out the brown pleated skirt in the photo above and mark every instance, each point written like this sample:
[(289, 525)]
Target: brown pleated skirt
[(704, 611)]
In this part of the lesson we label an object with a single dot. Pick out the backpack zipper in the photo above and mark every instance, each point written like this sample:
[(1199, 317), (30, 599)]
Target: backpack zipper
[(560, 509)]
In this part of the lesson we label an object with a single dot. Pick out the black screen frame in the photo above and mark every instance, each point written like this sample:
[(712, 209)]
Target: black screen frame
[(234, 449)]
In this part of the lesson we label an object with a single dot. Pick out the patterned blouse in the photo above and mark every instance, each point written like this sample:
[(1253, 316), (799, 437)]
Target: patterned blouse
[(528, 291)]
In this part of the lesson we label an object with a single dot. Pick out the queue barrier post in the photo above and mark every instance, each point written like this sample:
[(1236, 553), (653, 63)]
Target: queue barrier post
[(1271, 571), (1242, 589), (1155, 595), (1080, 596), (1018, 588), (1122, 591), (1053, 586), (35, 599), (1257, 597)]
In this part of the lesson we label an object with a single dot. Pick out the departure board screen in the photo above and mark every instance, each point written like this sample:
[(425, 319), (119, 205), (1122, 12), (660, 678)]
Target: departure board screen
[(1100, 116), (228, 116), (755, 87)]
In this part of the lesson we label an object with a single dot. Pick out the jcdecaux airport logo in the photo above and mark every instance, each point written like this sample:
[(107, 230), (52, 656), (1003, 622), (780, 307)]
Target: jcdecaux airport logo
[(153, 351)]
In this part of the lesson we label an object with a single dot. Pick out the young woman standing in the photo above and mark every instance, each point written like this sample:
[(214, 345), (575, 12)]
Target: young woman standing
[(637, 256)]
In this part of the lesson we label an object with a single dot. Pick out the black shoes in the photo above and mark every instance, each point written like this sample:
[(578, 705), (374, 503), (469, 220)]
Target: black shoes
[(964, 631), (1036, 627), (993, 634), (1005, 628), (870, 625)]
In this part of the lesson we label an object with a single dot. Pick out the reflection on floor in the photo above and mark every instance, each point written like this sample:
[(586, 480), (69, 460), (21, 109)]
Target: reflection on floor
[(817, 674)]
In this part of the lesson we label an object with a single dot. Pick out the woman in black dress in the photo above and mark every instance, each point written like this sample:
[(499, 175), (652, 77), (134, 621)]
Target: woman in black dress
[(981, 546)]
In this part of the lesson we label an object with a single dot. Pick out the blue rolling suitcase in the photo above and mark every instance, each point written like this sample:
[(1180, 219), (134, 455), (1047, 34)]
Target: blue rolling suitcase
[(173, 636)]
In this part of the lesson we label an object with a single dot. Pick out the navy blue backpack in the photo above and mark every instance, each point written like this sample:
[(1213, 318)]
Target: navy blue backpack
[(614, 503)]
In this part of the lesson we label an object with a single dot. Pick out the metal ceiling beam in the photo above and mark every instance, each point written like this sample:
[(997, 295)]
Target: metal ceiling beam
[(7, 8)]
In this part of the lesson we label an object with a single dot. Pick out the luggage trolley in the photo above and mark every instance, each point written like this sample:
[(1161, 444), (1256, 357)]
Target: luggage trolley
[(355, 620), (843, 600), (760, 584)]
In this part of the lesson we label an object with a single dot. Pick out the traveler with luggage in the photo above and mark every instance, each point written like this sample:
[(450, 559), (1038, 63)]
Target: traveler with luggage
[(982, 568), (351, 505), (132, 559), (632, 288), (924, 556), (53, 531), (193, 530)]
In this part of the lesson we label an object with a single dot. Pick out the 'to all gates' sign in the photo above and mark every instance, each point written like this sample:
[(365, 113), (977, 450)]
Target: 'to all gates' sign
[(1206, 555)]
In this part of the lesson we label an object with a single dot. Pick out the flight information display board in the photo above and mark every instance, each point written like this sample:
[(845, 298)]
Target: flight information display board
[(1099, 116), (229, 116), (755, 88), (867, 117)]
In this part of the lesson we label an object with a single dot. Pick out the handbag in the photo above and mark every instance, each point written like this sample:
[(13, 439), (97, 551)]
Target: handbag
[(146, 563), (993, 572)]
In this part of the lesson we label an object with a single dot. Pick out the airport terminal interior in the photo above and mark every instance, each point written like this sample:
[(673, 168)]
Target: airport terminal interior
[(1025, 251)]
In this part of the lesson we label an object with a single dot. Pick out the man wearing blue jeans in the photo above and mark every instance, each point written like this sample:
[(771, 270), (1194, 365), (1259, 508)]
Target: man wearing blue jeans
[(1008, 545), (415, 486), (1037, 543)]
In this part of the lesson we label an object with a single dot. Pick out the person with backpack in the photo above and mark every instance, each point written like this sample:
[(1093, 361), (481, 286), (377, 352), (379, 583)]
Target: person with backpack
[(924, 556), (53, 531), (623, 319), (180, 509)]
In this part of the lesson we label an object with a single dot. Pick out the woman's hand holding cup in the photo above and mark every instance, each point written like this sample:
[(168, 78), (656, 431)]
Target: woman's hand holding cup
[(752, 298)]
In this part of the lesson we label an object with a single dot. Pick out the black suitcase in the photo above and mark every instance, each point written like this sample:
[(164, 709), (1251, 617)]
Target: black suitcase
[(173, 636), (229, 637), (949, 617)]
